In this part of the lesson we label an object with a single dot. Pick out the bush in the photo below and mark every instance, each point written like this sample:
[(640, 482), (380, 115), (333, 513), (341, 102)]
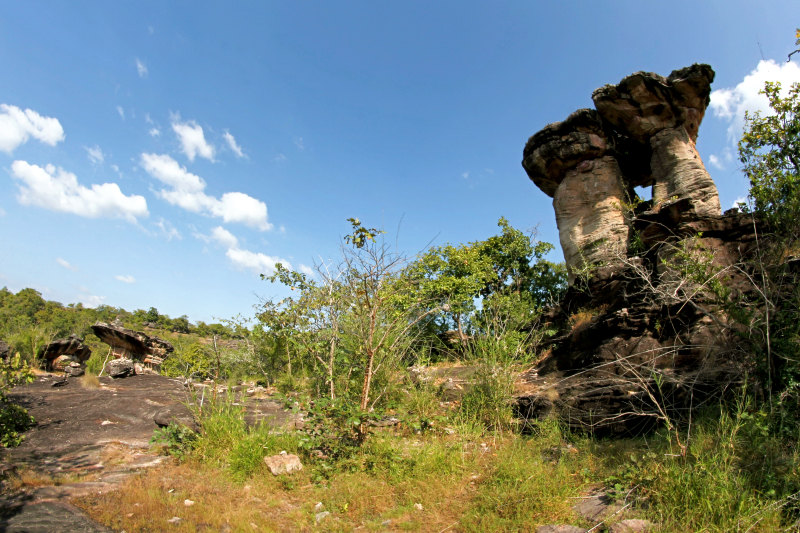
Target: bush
[(13, 419)]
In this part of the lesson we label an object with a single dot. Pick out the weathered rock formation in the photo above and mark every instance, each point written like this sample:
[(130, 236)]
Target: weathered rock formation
[(643, 133), (640, 339), (61, 352), (134, 345)]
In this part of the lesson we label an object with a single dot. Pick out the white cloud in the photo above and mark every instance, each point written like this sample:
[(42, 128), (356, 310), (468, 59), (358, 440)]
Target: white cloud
[(239, 207), (121, 112), (279, 158), (125, 279), (298, 142), (168, 230), (235, 148), (715, 162), (17, 126), (64, 263), (90, 300), (154, 132), (59, 190), (193, 141), (148, 119), (740, 200), (2, 212), (730, 104), (224, 237), (307, 270), (141, 68), (187, 190), (95, 154), (257, 262)]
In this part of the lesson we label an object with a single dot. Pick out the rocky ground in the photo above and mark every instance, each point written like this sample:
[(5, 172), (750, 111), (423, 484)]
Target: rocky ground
[(88, 438)]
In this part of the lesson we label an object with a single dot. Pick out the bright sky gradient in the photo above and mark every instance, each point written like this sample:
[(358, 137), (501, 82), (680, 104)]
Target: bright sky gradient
[(165, 153)]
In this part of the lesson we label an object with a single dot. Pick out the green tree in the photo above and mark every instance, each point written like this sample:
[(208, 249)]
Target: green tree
[(770, 152)]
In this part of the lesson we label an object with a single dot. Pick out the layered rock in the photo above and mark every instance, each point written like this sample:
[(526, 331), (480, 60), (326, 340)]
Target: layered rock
[(61, 352), (640, 340), (135, 345), (664, 115), (643, 133), (571, 161)]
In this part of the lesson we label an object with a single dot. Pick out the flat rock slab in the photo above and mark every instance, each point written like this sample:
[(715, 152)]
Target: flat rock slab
[(100, 434), (47, 517)]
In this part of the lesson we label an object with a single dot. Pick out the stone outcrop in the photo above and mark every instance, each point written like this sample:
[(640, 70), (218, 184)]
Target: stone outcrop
[(642, 133), (639, 339), (134, 345), (572, 162), (61, 352)]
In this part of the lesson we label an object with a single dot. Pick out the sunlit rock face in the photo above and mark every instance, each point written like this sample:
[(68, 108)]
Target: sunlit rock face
[(570, 162), (664, 115), (642, 133)]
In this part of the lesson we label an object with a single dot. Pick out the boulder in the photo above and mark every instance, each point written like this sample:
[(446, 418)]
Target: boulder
[(120, 368), (130, 344), (283, 463), (65, 351), (5, 350)]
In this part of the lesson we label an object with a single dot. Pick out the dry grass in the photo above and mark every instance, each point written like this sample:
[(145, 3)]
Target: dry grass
[(453, 477), (89, 381)]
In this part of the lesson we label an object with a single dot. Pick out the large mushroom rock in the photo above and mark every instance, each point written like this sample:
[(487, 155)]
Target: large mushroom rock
[(126, 343), (663, 115), (66, 350), (572, 162)]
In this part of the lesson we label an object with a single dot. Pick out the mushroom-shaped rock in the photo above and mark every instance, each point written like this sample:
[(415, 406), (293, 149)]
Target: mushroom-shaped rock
[(133, 344), (69, 349), (572, 162), (664, 115)]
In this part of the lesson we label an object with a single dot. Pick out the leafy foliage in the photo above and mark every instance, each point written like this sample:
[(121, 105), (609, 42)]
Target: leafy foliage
[(14, 420)]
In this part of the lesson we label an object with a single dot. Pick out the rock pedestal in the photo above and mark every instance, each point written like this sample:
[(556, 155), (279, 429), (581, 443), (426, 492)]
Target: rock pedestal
[(639, 338), (642, 133)]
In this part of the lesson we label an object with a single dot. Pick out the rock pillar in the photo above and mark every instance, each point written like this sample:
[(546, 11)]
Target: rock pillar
[(663, 115), (571, 162)]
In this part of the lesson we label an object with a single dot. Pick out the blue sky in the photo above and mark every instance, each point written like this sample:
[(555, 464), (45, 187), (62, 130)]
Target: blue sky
[(165, 153)]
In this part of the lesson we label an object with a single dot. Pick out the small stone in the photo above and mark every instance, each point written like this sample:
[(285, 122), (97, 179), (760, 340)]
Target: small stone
[(283, 463), (188, 503), (386, 523), (418, 506), (319, 507), (175, 520), (560, 529), (319, 517), (632, 525)]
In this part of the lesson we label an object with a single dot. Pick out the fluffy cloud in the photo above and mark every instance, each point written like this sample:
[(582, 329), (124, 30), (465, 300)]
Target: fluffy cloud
[(224, 237), (730, 104), (95, 154), (187, 190), (235, 148), (255, 261), (154, 132), (141, 68), (17, 126), (121, 112), (193, 141), (59, 190), (125, 279)]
